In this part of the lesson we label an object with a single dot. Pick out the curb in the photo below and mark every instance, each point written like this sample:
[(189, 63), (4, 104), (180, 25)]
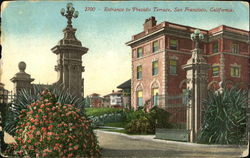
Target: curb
[(107, 127), (152, 138)]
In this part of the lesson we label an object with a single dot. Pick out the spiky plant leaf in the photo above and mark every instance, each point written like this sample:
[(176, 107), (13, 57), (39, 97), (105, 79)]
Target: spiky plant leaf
[(224, 119)]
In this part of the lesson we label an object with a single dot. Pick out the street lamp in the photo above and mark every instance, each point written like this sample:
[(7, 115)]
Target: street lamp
[(69, 13), (197, 37)]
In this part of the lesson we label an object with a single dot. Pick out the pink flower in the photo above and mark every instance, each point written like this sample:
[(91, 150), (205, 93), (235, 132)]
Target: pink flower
[(50, 133), (32, 120), (50, 127), (42, 106), (43, 129), (48, 104), (31, 136), (36, 116), (39, 110), (76, 147), (44, 154)]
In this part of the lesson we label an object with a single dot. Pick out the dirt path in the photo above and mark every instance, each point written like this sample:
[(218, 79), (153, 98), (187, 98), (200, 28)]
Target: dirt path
[(115, 145)]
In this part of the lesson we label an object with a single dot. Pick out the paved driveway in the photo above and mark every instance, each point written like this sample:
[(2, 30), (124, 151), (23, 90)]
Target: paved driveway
[(116, 145)]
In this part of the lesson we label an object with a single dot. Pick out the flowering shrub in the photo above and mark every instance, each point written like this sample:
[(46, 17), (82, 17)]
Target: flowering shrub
[(140, 126), (142, 122), (50, 129)]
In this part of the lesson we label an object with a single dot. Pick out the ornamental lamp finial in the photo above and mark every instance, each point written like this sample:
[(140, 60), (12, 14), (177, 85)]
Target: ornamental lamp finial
[(69, 13)]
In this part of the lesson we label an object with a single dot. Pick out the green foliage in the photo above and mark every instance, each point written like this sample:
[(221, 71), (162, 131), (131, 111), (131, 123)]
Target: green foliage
[(224, 117), (48, 128), (87, 102), (27, 97), (161, 117), (116, 124), (133, 115), (106, 118), (4, 108), (146, 122), (143, 125), (101, 111)]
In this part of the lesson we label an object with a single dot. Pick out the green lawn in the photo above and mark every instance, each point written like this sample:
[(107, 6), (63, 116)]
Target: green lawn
[(116, 124), (100, 111)]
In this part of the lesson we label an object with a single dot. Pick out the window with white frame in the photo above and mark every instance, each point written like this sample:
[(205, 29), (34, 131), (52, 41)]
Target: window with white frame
[(173, 66), (215, 70), (235, 71), (235, 48), (139, 98)]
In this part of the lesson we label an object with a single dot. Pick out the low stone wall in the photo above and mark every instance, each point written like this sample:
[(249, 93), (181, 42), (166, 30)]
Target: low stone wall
[(171, 134)]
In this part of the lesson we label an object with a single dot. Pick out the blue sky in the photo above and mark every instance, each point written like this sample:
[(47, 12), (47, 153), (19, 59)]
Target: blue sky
[(31, 29)]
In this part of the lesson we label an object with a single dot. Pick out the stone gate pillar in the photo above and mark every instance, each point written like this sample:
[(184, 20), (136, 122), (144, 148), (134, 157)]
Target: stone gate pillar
[(69, 53), (196, 69), (21, 80)]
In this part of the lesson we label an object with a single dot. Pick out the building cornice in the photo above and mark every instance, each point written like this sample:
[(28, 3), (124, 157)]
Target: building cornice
[(228, 35), (144, 37), (239, 55), (185, 34)]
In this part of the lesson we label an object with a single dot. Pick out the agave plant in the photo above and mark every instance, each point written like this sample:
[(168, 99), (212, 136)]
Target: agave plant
[(26, 97), (224, 119)]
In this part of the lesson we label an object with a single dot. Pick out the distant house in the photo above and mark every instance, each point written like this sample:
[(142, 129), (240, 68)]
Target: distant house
[(126, 93), (116, 99), (106, 101), (113, 99), (95, 100)]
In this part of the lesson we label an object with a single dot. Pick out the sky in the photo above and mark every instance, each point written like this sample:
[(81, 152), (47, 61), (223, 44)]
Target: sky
[(31, 28)]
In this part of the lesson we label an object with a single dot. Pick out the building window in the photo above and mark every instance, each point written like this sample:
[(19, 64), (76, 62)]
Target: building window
[(173, 44), (155, 96), (235, 71), (139, 98), (155, 68), (215, 70), (215, 47), (155, 46), (139, 72), (173, 66), (139, 52), (235, 48)]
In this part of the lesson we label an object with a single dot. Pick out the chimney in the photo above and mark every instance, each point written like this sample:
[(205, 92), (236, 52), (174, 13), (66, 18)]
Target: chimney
[(149, 23)]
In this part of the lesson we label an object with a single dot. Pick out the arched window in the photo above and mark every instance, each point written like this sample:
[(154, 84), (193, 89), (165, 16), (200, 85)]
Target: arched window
[(155, 98), (139, 98)]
